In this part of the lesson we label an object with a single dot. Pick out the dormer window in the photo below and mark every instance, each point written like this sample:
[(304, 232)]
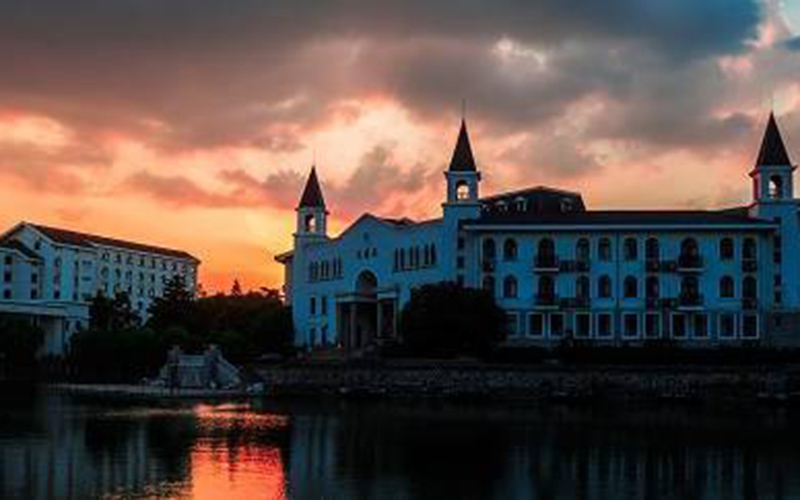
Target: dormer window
[(566, 205), (520, 205)]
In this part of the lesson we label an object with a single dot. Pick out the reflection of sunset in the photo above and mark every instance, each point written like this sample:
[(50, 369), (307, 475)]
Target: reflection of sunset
[(222, 467)]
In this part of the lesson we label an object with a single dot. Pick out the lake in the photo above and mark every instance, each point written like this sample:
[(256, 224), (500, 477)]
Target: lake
[(62, 447)]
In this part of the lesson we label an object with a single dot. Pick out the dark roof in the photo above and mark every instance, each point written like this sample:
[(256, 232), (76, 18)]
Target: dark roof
[(75, 238), (773, 151), (312, 194), (462, 160), (623, 217), (20, 247)]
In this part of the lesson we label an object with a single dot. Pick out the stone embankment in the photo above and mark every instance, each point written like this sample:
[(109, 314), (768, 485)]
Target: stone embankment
[(585, 382)]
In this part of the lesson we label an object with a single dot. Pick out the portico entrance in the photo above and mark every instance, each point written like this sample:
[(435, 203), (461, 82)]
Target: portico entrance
[(367, 317)]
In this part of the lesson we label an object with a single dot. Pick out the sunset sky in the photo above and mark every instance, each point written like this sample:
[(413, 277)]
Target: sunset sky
[(193, 123)]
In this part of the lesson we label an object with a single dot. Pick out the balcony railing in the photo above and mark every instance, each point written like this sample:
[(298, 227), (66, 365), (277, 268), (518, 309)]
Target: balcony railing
[(690, 263), (546, 300), (574, 266), (546, 263), (488, 265), (749, 265), (690, 300), (652, 302), (750, 303), (575, 302)]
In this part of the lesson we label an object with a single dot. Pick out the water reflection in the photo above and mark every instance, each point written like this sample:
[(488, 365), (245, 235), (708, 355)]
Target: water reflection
[(53, 446)]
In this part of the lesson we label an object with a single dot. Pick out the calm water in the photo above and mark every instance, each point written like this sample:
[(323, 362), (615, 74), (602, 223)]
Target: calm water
[(55, 446)]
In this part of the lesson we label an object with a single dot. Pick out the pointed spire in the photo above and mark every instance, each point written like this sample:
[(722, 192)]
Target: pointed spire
[(312, 194), (463, 161), (773, 151)]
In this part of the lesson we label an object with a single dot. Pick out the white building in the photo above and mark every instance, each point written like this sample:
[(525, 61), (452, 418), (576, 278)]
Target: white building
[(50, 275), (557, 268)]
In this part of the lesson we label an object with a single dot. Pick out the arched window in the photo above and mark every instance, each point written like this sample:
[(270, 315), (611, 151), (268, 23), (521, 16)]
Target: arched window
[(510, 249), (488, 284), (604, 249), (726, 249), (489, 249), (631, 287), (652, 249), (604, 287), (310, 223), (776, 186), (631, 249), (547, 247), (462, 190), (749, 288), (689, 248), (749, 248), (582, 250), (652, 287), (582, 287), (690, 287), (510, 287), (726, 287), (547, 286)]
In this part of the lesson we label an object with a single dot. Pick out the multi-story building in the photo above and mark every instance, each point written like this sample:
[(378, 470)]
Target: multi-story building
[(50, 275), (557, 268)]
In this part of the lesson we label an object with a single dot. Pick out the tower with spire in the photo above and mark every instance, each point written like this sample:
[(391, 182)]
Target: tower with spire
[(462, 202), (773, 198), (311, 212)]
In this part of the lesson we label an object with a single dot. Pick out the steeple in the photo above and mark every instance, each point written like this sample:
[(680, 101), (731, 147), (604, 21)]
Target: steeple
[(462, 160), (312, 194), (772, 152)]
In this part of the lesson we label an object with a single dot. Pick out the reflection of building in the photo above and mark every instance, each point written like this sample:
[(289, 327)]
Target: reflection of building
[(556, 267), (51, 274)]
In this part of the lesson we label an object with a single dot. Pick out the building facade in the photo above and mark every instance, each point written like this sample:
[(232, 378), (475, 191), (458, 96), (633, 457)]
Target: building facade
[(50, 276), (557, 268)]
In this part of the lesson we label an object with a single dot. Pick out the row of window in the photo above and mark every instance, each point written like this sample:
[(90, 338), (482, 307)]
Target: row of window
[(630, 289), (633, 326), (130, 259), (325, 269), (630, 246), (416, 257)]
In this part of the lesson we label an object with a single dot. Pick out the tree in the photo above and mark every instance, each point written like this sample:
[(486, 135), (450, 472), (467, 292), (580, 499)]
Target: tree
[(19, 342), (446, 319), (174, 308), (112, 314), (236, 289)]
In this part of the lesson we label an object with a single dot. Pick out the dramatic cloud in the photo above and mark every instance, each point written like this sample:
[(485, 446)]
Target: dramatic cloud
[(220, 106)]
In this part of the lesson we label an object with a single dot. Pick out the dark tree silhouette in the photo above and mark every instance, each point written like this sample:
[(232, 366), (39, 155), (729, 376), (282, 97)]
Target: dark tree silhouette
[(446, 319), (112, 314)]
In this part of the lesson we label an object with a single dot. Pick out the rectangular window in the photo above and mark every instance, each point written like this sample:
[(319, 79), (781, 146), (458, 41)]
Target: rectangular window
[(323, 306), (604, 321), (460, 262), (7, 277), (460, 280), (583, 326), (461, 243), (34, 294), (678, 326), (34, 278), (631, 325), (313, 306), (556, 325), (56, 294), (512, 323), (652, 325), (778, 298), (727, 326), (6, 294), (536, 325), (750, 326), (700, 326), (9, 260)]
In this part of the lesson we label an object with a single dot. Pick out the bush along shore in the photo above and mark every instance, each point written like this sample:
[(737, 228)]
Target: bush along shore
[(480, 380)]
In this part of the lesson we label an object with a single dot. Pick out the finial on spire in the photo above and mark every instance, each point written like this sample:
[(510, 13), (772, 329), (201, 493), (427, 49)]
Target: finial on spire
[(463, 110)]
